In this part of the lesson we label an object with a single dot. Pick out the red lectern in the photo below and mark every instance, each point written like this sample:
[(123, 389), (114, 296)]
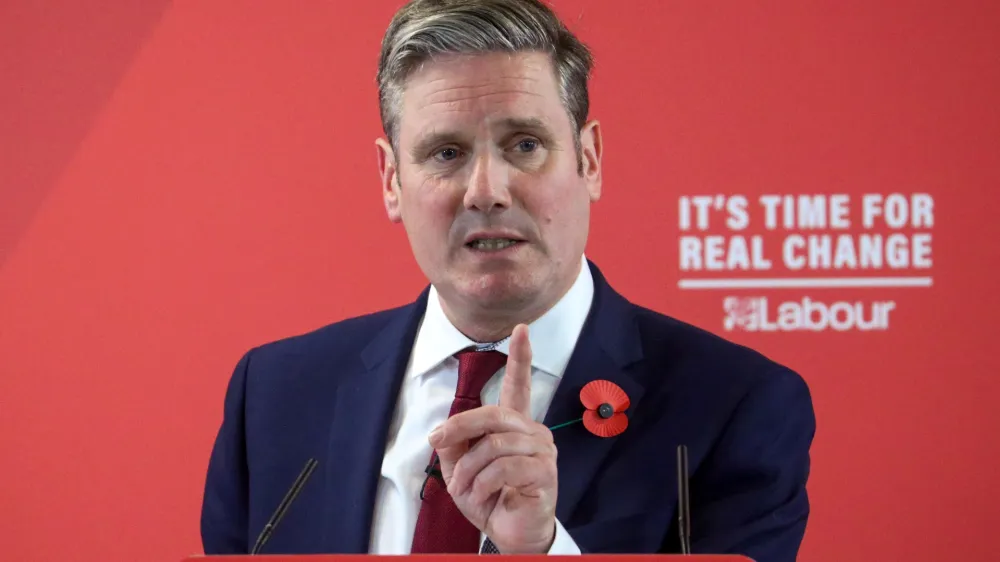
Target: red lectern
[(474, 558)]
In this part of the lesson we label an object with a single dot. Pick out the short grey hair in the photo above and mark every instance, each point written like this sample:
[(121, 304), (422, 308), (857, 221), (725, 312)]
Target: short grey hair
[(423, 29)]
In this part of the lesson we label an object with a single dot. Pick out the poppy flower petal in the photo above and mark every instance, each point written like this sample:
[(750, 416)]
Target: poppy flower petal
[(590, 395), (621, 402), (601, 427), (591, 420), (598, 392)]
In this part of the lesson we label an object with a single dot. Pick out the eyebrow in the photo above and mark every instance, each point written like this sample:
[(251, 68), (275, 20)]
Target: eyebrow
[(437, 138), (529, 123)]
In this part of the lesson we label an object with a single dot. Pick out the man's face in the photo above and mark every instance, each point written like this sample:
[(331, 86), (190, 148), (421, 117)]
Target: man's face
[(487, 184)]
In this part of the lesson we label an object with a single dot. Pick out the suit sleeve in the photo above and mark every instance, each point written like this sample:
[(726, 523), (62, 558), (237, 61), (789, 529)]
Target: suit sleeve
[(225, 503), (749, 497)]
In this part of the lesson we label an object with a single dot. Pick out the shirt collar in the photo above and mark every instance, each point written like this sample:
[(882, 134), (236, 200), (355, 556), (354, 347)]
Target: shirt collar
[(553, 336)]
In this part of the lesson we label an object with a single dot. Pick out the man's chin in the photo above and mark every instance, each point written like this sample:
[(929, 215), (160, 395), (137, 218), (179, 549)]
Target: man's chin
[(501, 290)]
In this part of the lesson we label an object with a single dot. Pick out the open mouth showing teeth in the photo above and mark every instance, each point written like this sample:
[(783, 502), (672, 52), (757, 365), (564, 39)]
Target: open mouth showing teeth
[(492, 244)]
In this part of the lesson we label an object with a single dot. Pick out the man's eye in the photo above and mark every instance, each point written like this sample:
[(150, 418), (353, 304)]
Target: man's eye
[(527, 145), (446, 154)]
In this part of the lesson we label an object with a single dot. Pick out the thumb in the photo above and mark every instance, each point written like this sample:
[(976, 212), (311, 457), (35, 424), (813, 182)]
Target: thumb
[(447, 458)]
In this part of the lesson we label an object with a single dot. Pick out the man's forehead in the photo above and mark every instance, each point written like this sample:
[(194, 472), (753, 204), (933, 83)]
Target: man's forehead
[(498, 88)]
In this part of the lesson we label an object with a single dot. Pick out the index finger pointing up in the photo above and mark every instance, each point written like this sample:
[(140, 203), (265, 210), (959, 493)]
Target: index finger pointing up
[(515, 393)]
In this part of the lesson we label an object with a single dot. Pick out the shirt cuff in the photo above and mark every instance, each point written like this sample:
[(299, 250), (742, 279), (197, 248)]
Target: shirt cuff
[(563, 544)]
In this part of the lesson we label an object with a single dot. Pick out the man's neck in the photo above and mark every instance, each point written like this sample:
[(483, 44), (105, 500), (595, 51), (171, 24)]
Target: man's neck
[(483, 326)]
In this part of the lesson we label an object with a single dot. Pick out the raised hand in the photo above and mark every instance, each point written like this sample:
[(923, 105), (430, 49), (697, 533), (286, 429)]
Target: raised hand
[(500, 465)]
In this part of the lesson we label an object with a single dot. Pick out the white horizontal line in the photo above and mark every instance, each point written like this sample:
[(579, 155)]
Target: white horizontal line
[(806, 282)]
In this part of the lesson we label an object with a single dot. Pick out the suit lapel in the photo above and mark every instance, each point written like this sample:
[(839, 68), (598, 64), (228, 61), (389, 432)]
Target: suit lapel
[(365, 404), (609, 343)]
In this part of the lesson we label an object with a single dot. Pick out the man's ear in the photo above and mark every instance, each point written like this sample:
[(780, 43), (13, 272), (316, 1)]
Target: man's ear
[(390, 180), (591, 149)]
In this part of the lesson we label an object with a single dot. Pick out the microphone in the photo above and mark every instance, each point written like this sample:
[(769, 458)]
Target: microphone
[(279, 513), (683, 500), (432, 470)]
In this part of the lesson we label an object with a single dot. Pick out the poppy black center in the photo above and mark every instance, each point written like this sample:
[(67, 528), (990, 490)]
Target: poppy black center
[(605, 410)]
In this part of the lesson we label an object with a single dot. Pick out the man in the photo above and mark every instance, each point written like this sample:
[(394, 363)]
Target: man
[(431, 422)]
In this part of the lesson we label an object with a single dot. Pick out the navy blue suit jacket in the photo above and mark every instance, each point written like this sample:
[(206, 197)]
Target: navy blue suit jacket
[(330, 395)]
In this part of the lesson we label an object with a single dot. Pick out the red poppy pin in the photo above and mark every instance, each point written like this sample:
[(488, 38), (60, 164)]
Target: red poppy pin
[(606, 403)]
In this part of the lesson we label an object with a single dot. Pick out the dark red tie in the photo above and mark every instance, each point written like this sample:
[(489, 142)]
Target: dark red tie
[(441, 527)]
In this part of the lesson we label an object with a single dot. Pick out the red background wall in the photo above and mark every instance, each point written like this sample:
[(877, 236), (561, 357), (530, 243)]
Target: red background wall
[(179, 182)]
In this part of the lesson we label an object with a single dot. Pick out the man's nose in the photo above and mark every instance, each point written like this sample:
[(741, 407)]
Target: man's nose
[(489, 184)]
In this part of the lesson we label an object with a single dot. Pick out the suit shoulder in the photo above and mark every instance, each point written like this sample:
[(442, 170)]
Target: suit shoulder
[(345, 337)]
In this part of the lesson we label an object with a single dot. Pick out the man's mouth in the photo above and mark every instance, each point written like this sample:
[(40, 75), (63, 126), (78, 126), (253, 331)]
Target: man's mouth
[(492, 244)]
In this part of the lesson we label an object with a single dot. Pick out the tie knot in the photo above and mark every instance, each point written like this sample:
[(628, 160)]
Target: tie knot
[(475, 368)]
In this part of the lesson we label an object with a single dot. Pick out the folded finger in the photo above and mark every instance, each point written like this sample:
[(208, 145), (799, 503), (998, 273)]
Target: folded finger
[(478, 422), (491, 448), (447, 458), (527, 475)]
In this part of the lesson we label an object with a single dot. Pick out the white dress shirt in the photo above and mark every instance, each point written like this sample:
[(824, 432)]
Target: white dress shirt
[(428, 390)]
